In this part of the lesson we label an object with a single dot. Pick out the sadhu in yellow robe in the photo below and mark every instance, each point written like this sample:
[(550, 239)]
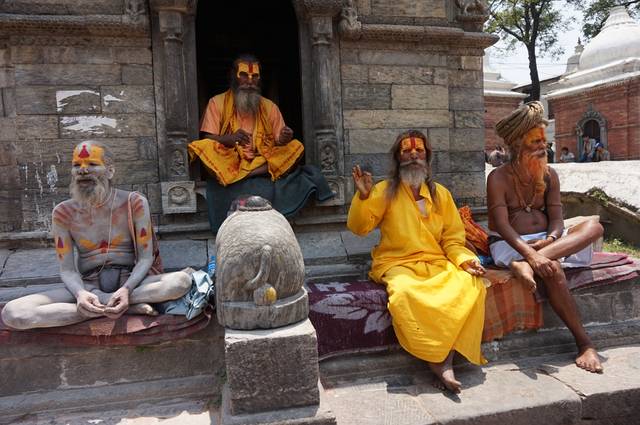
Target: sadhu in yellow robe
[(435, 306), (230, 165)]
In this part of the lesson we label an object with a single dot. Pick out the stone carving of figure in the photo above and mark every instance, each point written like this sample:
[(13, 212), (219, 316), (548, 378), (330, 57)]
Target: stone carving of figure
[(177, 163), (472, 7), (178, 195), (349, 18)]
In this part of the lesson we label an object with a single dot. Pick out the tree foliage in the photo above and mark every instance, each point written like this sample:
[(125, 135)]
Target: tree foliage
[(596, 12), (533, 23)]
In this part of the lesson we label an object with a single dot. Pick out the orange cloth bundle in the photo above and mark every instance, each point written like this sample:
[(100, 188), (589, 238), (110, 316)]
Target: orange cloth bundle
[(475, 233)]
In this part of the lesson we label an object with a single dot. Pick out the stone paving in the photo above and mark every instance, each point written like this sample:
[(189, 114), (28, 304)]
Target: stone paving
[(549, 390)]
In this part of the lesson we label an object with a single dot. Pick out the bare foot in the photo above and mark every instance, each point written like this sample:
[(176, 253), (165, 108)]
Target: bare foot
[(142, 308), (524, 273), (445, 377), (588, 360)]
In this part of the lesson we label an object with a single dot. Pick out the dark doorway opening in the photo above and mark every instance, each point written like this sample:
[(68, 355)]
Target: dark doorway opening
[(267, 29), (592, 129)]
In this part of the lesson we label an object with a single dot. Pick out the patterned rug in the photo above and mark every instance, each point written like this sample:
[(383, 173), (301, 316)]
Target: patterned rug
[(352, 317)]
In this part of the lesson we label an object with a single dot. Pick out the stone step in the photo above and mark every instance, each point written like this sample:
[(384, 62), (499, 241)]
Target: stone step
[(39, 378), (549, 390)]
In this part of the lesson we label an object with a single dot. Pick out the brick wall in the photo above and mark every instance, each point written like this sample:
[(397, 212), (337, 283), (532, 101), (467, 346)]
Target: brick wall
[(496, 108), (619, 105), (390, 87), (63, 90)]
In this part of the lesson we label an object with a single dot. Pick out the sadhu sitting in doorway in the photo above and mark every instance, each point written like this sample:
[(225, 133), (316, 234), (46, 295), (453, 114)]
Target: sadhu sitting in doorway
[(250, 150)]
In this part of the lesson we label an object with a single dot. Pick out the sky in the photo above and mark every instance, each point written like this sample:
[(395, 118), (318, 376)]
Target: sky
[(514, 66)]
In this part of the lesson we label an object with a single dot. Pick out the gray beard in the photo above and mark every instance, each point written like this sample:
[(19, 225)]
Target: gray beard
[(90, 195), (247, 101), (414, 173)]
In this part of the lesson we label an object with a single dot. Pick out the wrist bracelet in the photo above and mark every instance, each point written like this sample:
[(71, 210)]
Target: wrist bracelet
[(552, 237)]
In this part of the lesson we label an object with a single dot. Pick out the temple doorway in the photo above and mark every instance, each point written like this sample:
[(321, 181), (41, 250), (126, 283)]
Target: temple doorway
[(592, 129), (227, 29)]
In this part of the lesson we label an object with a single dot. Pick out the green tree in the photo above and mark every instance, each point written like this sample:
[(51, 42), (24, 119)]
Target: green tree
[(595, 12), (534, 23)]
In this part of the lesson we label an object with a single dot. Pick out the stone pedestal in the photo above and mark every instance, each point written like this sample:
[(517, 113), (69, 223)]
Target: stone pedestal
[(272, 377)]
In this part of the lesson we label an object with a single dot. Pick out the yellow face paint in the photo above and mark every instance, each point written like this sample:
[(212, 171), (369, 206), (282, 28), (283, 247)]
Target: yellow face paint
[(86, 155), (533, 135), (411, 144), (250, 70)]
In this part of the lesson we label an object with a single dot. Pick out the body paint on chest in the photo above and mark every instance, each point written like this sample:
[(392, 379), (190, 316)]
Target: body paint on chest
[(103, 245)]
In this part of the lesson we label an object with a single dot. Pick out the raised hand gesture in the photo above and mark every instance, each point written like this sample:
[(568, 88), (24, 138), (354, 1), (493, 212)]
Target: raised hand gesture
[(362, 181)]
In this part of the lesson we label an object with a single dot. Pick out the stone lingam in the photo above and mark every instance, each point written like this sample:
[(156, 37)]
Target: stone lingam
[(260, 269)]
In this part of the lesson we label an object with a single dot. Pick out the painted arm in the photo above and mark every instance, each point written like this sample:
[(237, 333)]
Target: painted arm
[(85, 300)]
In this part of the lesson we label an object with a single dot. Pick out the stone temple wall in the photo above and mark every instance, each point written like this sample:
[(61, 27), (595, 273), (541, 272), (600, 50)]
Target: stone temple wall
[(408, 81), (63, 86), (121, 71)]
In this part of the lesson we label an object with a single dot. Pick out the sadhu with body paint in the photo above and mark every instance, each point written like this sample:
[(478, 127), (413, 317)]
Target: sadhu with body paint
[(117, 269), (436, 298)]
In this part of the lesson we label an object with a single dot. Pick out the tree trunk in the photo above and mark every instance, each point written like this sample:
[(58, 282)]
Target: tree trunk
[(533, 73)]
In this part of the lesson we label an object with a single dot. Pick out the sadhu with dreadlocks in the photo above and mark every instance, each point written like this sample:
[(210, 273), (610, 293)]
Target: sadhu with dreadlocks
[(525, 216), (436, 298)]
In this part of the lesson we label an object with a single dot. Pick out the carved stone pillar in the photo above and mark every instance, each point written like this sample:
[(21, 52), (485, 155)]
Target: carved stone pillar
[(171, 18), (328, 151)]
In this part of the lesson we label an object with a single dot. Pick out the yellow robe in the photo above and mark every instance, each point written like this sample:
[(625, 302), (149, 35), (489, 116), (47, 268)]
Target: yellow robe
[(230, 165), (435, 306)]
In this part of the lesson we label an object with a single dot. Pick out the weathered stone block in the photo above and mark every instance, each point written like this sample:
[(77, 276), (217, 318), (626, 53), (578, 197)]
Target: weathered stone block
[(441, 76), (6, 77), (420, 97), (147, 148), (77, 101), (468, 119), (348, 56), (377, 164), (8, 129), (7, 154), (400, 75), (396, 119), (117, 125), (468, 139), (65, 7), (418, 9), (393, 57), (137, 74), (466, 161), (441, 162), (472, 79), (466, 99), (27, 54), (366, 96), (127, 99), (37, 127), (439, 138), (132, 172), (71, 74), (133, 55), (177, 255), (78, 54), (354, 73), (467, 185), (471, 62), (272, 369), (371, 141)]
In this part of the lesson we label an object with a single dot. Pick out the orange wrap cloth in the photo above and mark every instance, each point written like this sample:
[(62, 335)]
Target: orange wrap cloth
[(230, 164), (474, 232)]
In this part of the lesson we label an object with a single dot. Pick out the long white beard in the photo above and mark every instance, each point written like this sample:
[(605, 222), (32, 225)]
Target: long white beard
[(247, 101), (87, 196), (414, 172)]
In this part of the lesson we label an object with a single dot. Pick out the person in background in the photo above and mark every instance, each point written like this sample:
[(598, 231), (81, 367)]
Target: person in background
[(566, 156)]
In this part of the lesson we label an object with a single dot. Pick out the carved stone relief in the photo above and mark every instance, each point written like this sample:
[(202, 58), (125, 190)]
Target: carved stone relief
[(178, 197)]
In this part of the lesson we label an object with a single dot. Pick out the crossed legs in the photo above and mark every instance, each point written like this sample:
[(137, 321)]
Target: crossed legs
[(57, 307)]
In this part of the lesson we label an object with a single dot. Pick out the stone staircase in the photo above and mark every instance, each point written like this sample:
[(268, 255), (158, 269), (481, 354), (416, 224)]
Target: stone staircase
[(530, 379)]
